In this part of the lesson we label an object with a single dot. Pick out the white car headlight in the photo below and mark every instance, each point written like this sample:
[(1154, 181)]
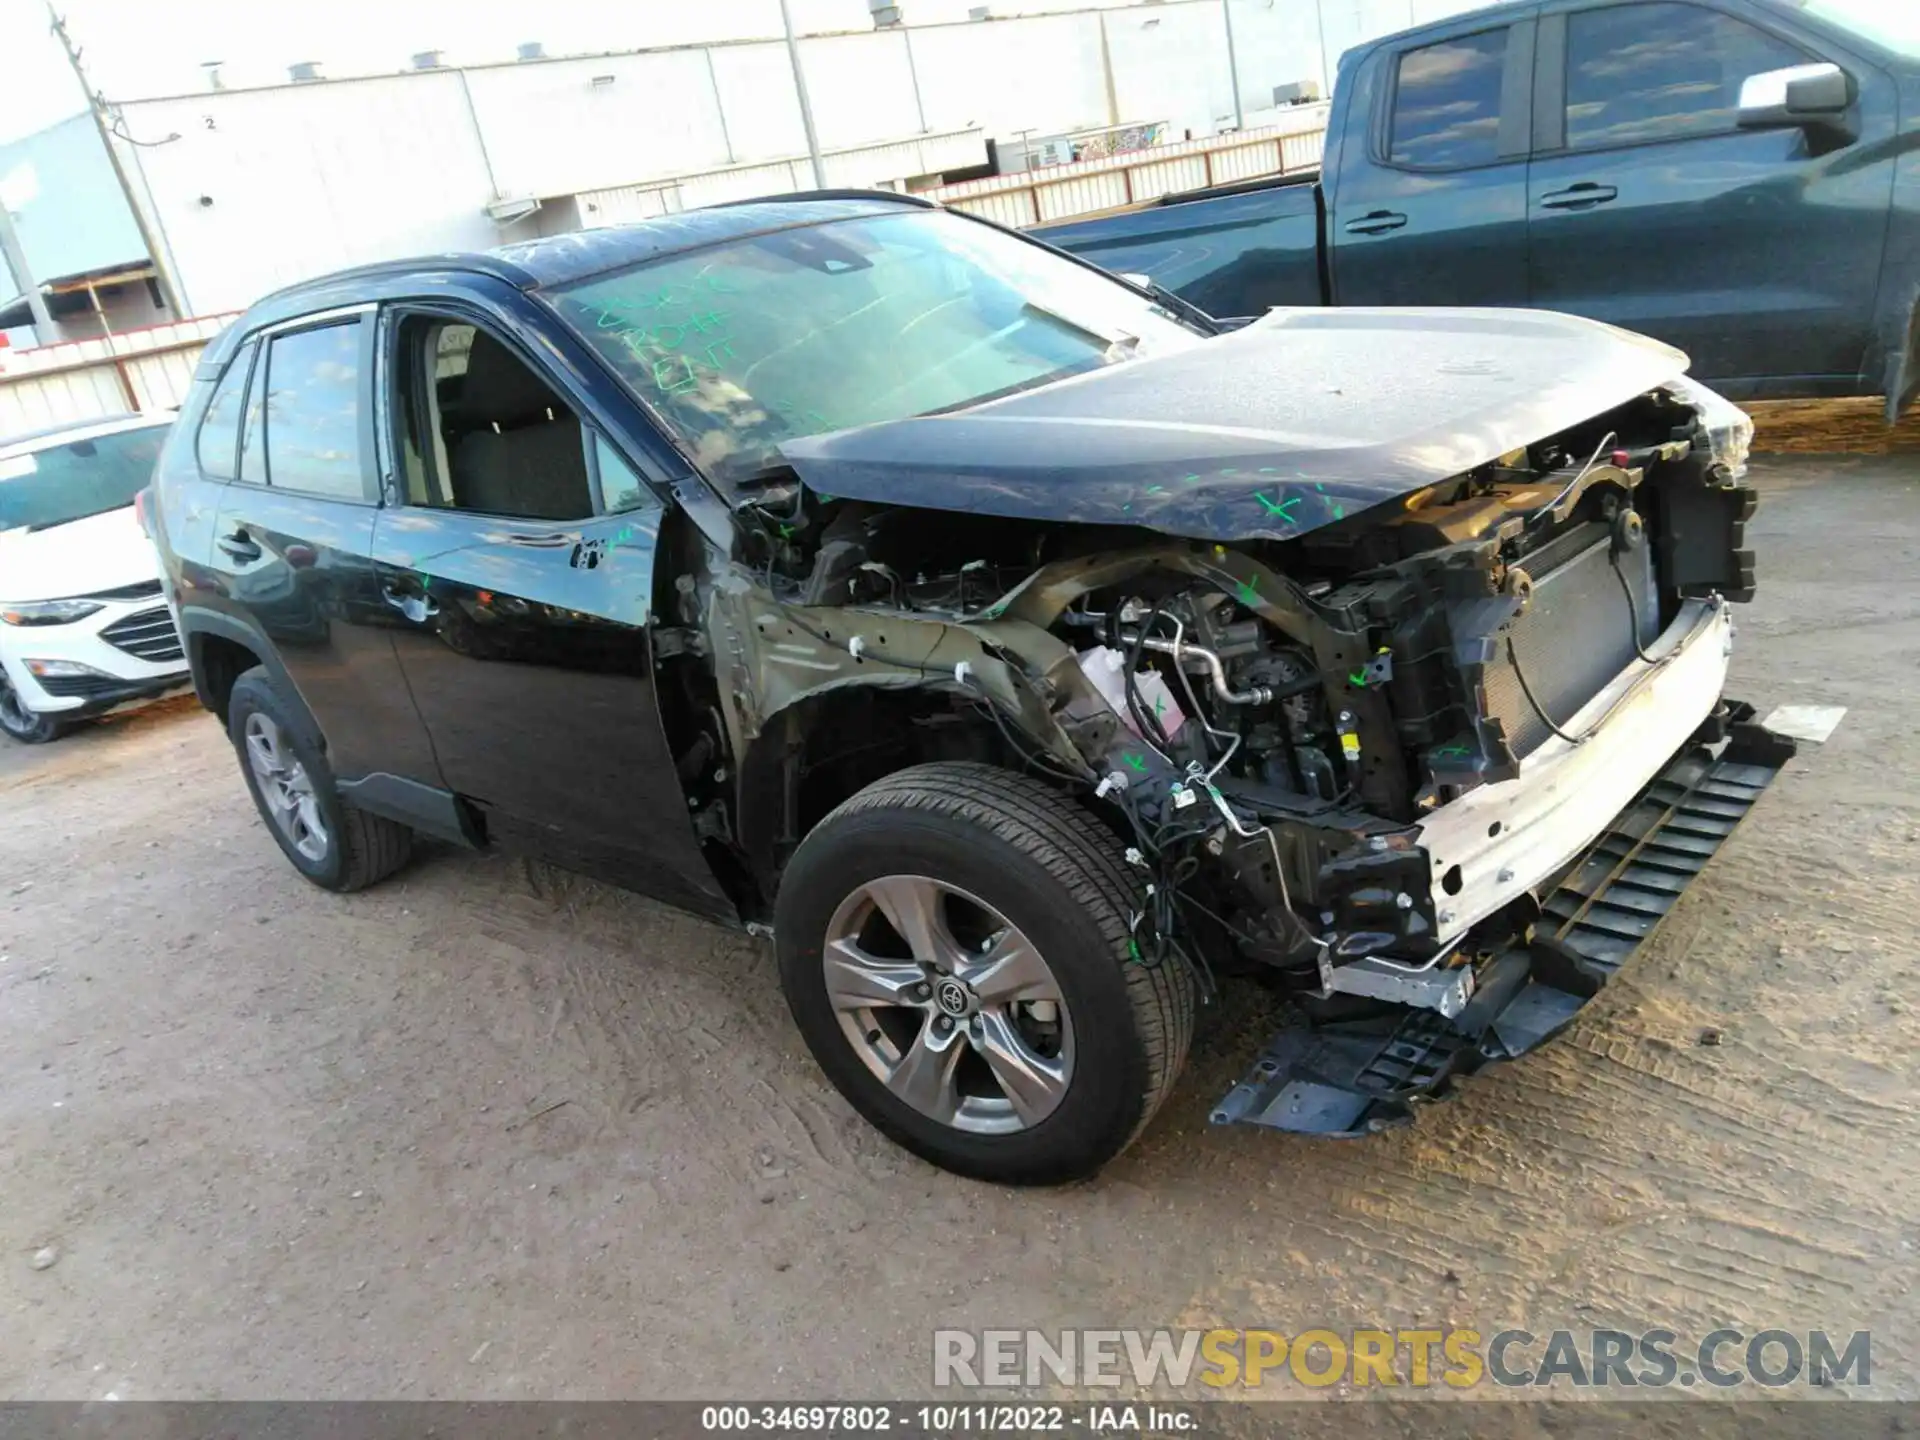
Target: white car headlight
[(47, 612), (1728, 428)]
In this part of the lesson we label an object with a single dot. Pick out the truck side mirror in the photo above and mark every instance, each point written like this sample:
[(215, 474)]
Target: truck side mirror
[(1801, 97)]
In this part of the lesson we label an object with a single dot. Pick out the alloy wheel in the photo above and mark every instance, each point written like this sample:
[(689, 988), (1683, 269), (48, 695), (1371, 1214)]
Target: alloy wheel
[(15, 718), (286, 787), (949, 1005)]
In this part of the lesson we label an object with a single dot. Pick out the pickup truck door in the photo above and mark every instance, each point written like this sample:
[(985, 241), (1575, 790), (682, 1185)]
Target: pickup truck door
[(1427, 196), (1758, 252), (516, 554)]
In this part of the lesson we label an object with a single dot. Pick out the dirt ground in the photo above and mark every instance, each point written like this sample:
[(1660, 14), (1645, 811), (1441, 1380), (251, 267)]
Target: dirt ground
[(489, 1131)]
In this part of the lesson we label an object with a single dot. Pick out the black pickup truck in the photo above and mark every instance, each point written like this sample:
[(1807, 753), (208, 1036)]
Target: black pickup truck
[(1739, 178)]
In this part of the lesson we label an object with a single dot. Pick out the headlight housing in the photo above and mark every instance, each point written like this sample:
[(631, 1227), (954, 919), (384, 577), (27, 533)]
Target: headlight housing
[(47, 612), (1727, 429)]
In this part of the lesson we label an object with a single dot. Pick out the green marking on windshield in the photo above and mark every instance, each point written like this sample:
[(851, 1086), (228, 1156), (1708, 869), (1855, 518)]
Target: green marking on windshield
[(1282, 508)]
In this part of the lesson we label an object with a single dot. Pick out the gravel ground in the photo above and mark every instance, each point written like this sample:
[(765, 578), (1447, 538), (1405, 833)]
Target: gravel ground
[(492, 1131)]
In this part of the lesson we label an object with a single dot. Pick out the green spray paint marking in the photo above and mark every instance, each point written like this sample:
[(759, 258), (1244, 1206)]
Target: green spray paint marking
[(1156, 489), (1189, 479), (1248, 591), (1358, 677), (1446, 751), (1133, 949), (1137, 762), (1339, 512), (1284, 508)]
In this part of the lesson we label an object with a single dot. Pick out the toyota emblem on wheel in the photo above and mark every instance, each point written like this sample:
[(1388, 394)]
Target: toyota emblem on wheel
[(952, 997)]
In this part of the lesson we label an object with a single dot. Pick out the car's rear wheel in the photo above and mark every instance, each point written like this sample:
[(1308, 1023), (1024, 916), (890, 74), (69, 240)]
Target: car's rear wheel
[(330, 842), (30, 727), (955, 946)]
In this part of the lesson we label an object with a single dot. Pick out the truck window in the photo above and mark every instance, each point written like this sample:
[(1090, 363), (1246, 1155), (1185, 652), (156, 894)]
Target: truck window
[(313, 412), (1446, 103), (1660, 71)]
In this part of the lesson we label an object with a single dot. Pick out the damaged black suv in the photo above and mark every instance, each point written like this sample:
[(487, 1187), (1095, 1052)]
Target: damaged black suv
[(1025, 649)]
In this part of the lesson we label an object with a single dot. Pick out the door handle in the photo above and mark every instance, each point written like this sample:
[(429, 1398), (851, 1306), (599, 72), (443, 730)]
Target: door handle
[(410, 600), (239, 544), (1377, 223), (1579, 197)]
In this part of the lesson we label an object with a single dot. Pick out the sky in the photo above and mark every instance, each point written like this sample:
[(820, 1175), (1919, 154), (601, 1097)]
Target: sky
[(135, 48)]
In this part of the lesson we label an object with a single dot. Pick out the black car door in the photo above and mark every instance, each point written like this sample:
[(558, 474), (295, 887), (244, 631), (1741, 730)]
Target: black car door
[(1758, 252), (1428, 204), (291, 545), (517, 549)]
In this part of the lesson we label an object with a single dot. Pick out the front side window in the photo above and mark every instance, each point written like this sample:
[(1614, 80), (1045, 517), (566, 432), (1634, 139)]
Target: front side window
[(313, 412), (745, 344), (482, 431), (1446, 106), (61, 483), (220, 426), (1660, 72)]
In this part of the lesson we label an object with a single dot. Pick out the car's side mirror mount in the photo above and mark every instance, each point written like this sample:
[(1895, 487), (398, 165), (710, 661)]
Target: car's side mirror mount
[(1815, 98)]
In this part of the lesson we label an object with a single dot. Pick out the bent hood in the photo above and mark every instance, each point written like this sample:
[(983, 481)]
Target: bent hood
[(1267, 432), (82, 557)]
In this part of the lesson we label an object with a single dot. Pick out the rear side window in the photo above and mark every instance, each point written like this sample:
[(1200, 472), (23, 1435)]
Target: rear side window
[(1660, 72), (219, 436), (253, 431), (313, 412), (1446, 106)]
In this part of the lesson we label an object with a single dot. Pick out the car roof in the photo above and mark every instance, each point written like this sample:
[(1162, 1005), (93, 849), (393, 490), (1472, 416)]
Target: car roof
[(72, 430), (568, 258)]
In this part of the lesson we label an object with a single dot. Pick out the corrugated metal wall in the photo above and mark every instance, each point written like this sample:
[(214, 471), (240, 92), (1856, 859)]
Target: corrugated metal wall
[(142, 370)]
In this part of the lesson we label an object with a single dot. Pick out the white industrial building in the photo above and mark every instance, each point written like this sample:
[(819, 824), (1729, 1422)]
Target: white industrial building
[(245, 185)]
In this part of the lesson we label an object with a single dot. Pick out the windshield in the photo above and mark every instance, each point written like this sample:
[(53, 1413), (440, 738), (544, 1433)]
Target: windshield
[(743, 345), (77, 479), (1890, 24)]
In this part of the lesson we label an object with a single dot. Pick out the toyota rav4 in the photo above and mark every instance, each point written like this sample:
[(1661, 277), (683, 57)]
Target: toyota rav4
[(1021, 647)]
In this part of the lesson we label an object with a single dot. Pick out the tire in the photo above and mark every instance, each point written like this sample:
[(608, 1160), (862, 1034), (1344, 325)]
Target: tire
[(988, 843), (29, 727), (330, 842)]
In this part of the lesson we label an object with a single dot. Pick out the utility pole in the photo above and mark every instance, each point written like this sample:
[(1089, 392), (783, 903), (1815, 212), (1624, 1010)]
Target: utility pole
[(10, 251), (800, 89), (1233, 66), (97, 106)]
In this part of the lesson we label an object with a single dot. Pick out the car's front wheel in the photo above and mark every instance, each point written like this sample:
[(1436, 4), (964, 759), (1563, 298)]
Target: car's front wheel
[(955, 945), (29, 727), (333, 844)]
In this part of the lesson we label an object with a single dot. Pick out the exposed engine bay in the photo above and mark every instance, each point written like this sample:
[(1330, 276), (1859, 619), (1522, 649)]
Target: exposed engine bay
[(1280, 730)]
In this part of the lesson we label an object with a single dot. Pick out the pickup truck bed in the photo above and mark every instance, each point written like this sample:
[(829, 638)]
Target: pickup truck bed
[(1237, 250)]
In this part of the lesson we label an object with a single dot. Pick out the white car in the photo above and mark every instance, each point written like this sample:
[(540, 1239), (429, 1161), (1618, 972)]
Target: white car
[(84, 628)]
